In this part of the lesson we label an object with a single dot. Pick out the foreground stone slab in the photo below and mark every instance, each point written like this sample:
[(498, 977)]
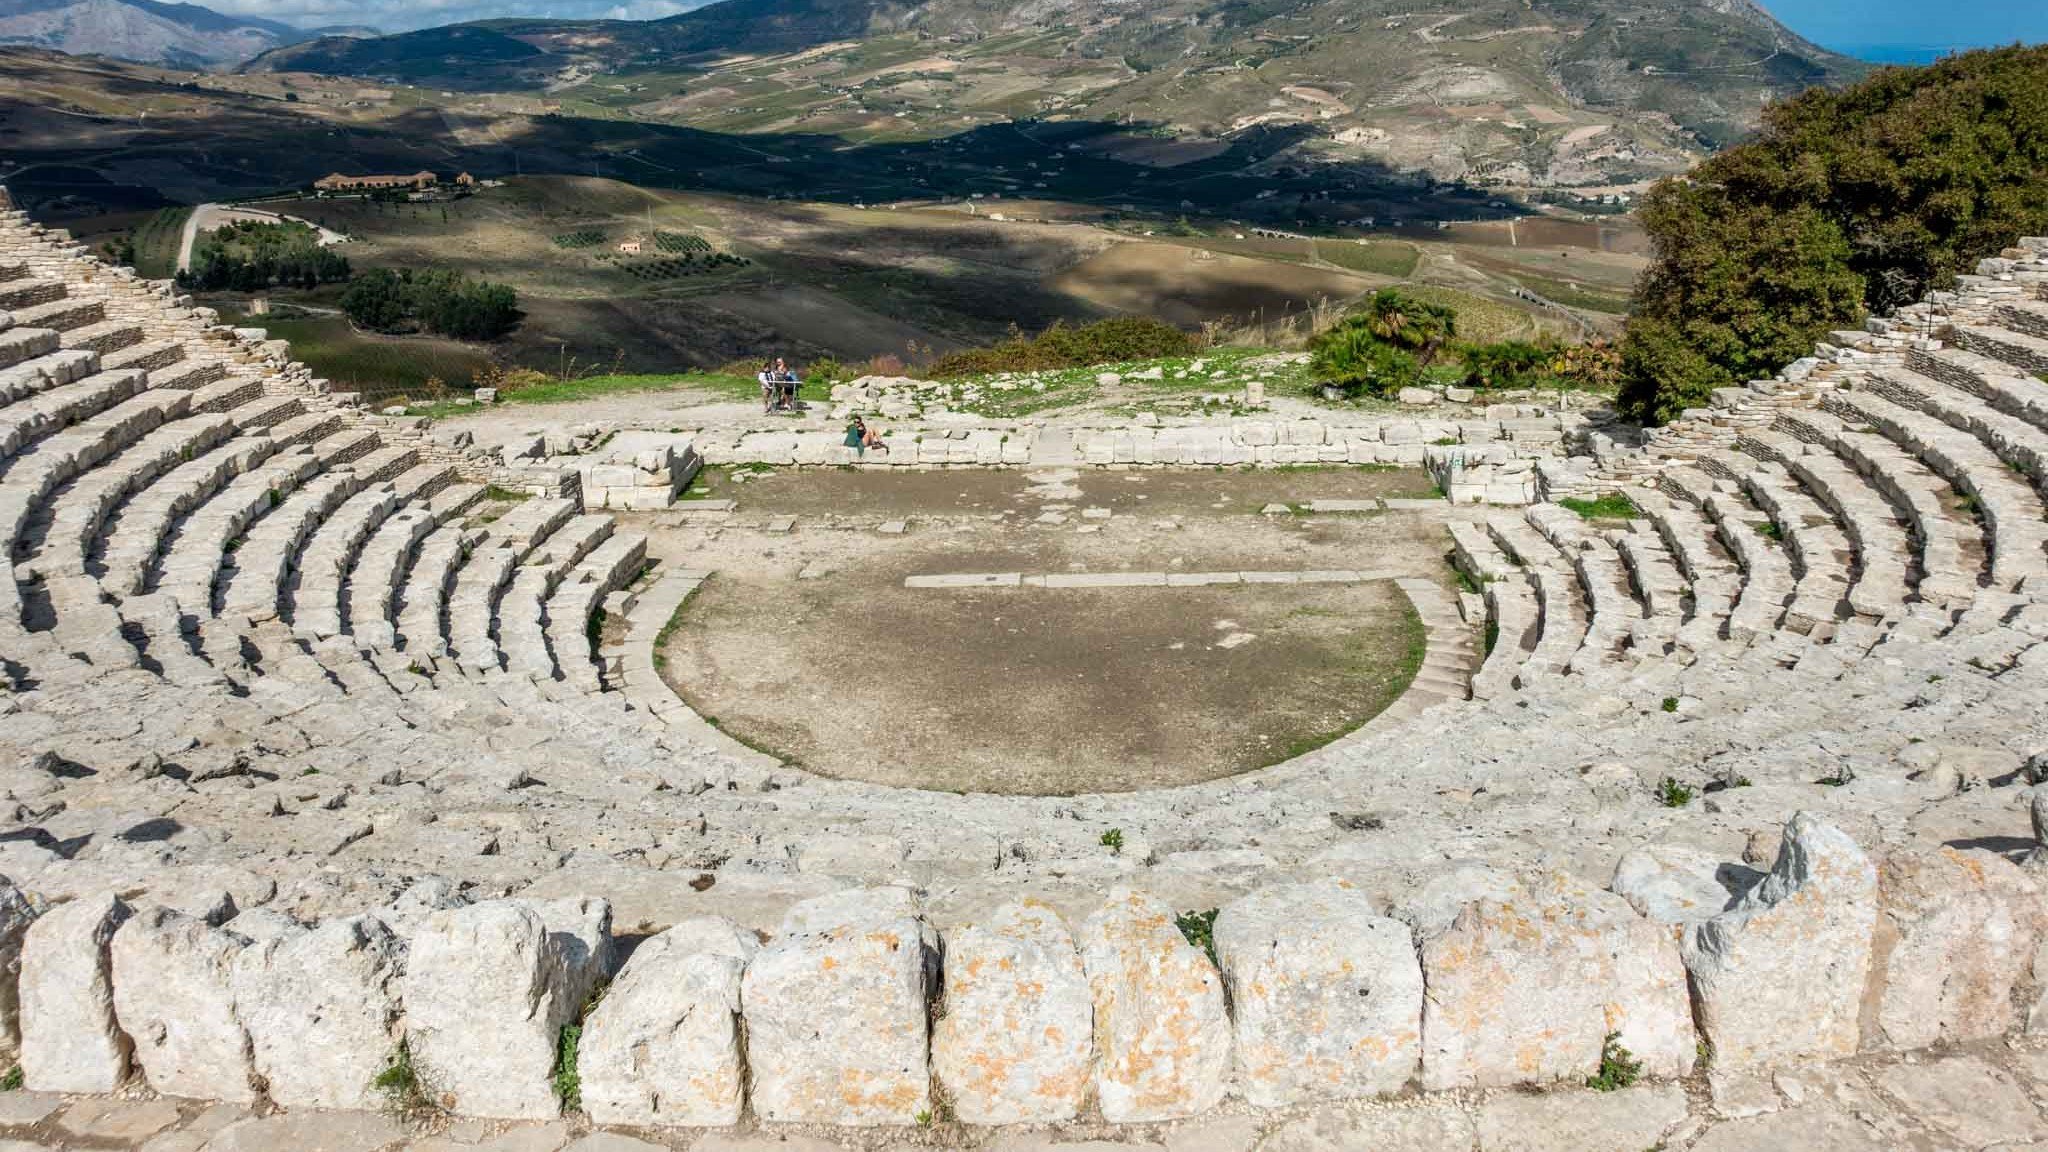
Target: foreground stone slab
[(70, 1041), (835, 1012), (1525, 988), (308, 1132), (487, 990), (1780, 976), (1968, 1100), (174, 995), (1578, 1120), (321, 1007), (1162, 1038), (1957, 932), (663, 1045), (1327, 994), (1015, 1044), (1432, 1126)]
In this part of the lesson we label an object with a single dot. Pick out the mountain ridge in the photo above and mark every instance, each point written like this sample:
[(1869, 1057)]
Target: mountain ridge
[(1545, 92), (144, 31)]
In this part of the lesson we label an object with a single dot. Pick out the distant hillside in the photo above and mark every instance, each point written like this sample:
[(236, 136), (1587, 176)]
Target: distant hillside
[(145, 31), (1518, 91)]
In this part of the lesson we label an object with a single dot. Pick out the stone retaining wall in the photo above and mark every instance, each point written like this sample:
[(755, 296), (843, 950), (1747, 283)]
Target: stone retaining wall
[(858, 1012)]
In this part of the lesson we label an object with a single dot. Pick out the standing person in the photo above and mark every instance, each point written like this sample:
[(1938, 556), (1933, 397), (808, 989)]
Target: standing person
[(788, 383), (768, 386)]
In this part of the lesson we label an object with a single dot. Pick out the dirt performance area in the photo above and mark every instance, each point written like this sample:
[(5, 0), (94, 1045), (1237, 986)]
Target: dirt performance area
[(813, 641)]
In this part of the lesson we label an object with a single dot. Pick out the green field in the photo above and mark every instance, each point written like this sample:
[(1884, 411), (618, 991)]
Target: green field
[(379, 367), (1378, 257), (563, 391), (156, 243)]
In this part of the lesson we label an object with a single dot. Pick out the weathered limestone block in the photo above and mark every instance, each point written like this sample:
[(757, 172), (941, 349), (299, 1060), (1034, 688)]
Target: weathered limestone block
[(663, 1045), (1162, 1038), (1327, 994), (487, 990), (1526, 989), (70, 1041), (321, 1007), (17, 912), (582, 928), (1956, 933), (174, 995), (836, 1016), (1780, 975), (1679, 886), (1016, 1043)]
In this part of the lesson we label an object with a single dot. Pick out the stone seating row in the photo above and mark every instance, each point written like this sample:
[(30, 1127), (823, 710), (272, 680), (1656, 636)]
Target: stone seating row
[(222, 498)]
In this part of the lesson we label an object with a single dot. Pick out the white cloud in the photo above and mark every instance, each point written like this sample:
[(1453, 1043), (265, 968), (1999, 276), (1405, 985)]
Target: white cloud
[(404, 15)]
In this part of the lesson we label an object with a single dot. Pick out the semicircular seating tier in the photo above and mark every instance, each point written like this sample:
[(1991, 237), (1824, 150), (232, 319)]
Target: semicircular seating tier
[(260, 654)]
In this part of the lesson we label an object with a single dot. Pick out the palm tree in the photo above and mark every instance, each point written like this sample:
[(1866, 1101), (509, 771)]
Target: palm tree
[(1406, 322)]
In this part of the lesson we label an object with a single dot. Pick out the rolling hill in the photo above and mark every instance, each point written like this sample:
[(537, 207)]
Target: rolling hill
[(1567, 92)]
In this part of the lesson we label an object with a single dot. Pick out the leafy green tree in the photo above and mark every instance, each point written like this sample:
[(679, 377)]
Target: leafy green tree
[(1862, 198), (376, 300)]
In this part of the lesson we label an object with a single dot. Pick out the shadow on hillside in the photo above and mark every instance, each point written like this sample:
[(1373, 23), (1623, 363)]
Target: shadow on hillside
[(251, 146)]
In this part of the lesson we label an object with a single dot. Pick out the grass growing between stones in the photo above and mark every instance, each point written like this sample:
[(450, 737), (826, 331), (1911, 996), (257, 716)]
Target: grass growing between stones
[(405, 1088), (11, 1082), (1672, 794), (1199, 929), (568, 1081), (1618, 1067), (1609, 506)]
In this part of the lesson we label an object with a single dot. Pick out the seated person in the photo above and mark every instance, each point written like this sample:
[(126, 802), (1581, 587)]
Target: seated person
[(860, 437)]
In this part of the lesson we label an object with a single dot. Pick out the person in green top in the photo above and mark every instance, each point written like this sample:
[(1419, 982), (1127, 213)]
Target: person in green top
[(860, 438)]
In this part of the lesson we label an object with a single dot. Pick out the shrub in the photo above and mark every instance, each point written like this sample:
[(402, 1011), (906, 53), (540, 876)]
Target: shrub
[(1199, 929), (1396, 318), (1609, 506), (1102, 342), (1863, 197), (1351, 358), (1672, 794), (827, 370), (1618, 1067), (1508, 364), (1595, 364), (1385, 348)]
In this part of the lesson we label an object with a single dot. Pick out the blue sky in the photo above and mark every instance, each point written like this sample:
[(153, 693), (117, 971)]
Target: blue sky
[(1852, 24), (1844, 25)]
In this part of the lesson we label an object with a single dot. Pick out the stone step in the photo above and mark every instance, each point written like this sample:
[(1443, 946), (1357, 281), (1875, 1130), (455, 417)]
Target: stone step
[(23, 293), (105, 336), (24, 422), (137, 535), (149, 356), (20, 346), (64, 315), (2027, 353)]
